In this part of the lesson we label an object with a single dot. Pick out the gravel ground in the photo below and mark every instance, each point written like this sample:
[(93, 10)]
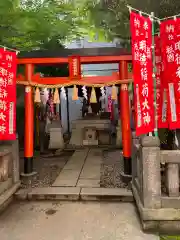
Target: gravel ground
[(110, 170), (48, 168)]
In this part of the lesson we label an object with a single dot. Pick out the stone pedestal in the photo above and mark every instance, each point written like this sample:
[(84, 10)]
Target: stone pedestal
[(97, 128), (56, 136), (9, 161), (119, 135), (172, 179), (15, 157), (5, 164), (104, 137), (159, 212), (42, 135), (151, 172), (9, 172), (90, 136), (29, 178), (136, 167), (76, 138)]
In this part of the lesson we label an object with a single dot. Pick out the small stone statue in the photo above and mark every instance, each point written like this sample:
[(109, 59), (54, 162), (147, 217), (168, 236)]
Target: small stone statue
[(89, 109), (84, 108)]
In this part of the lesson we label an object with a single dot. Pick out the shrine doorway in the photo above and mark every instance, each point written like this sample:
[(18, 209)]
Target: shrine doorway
[(34, 81)]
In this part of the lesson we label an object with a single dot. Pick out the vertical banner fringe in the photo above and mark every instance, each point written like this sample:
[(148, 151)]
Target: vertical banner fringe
[(37, 97), (114, 93), (75, 93), (56, 98), (93, 98)]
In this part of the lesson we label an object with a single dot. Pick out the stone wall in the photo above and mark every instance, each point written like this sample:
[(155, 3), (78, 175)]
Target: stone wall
[(155, 185), (9, 171)]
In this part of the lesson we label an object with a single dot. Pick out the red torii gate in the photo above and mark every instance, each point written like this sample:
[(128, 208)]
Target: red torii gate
[(87, 56)]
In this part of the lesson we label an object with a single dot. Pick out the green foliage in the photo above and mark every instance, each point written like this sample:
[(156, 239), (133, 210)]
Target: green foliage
[(170, 238), (58, 70), (112, 16), (46, 25), (27, 25), (31, 24)]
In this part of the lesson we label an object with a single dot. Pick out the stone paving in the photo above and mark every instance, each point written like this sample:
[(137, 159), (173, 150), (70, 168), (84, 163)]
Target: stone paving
[(79, 179), (71, 221), (82, 170)]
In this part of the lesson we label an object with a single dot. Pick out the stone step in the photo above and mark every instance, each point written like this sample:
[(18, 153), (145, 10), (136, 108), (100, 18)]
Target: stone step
[(75, 194), (106, 194), (49, 193)]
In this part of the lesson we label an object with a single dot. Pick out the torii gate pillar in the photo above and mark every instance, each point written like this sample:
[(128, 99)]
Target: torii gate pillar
[(125, 118), (28, 122)]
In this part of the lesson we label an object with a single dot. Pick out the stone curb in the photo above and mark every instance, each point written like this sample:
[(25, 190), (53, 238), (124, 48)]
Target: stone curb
[(7, 197), (106, 194), (75, 194)]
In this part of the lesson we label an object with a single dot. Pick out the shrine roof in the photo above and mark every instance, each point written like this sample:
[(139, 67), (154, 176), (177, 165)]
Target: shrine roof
[(83, 52)]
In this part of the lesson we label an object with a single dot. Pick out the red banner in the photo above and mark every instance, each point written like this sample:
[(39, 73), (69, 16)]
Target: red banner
[(170, 35), (177, 71), (161, 91), (141, 30), (74, 68), (8, 65)]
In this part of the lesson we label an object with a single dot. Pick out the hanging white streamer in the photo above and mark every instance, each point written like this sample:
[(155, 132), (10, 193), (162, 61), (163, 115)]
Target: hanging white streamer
[(159, 20), (142, 13), (63, 92), (44, 96), (84, 90), (11, 49), (103, 92)]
